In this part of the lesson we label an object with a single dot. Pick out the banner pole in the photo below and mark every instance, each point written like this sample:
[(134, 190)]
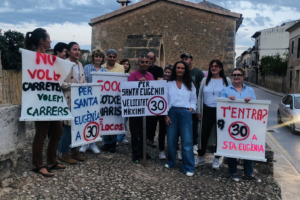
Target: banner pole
[(144, 141)]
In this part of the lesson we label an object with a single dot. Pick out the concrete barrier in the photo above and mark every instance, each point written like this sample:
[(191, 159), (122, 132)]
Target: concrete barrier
[(12, 141)]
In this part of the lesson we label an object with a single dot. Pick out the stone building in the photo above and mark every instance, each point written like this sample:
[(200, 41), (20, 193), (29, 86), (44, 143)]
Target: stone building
[(169, 28), (293, 70)]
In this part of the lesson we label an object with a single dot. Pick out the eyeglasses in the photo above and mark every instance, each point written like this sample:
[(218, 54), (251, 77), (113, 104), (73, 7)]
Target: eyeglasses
[(237, 75), (216, 66), (112, 57), (143, 56), (169, 67), (144, 62)]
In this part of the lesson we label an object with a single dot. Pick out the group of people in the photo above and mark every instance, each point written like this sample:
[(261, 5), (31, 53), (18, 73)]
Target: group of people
[(191, 99)]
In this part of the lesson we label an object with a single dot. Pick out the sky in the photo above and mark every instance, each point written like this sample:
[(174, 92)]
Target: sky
[(67, 20)]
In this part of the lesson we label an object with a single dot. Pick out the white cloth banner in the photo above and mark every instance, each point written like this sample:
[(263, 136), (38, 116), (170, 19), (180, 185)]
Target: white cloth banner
[(144, 98), (111, 121), (42, 97), (241, 128), (85, 107)]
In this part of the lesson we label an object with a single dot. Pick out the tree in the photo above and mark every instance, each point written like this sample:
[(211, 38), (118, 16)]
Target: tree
[(274, 65), (10, 42)]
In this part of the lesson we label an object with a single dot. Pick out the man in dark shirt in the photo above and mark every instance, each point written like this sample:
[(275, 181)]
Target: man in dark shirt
[(158, 74), (197, 76)]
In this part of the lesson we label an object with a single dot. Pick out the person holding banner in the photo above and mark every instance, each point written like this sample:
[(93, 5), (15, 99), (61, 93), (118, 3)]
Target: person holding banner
[(181, 104), (136, 123), (76, 75), (96, 59), (39, 41), (211, 87), (122, 137), (238, 90)]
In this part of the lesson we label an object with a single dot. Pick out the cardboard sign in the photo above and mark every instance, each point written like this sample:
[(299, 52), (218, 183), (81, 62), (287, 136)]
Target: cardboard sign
[(144, 98), (111, 121), (42, 97), (85, 107), (241, 128)]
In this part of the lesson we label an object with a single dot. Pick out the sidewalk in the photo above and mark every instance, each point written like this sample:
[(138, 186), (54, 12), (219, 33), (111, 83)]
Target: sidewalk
[(284, 172)]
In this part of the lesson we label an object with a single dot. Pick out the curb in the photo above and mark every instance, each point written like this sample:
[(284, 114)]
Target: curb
[(265, 89)]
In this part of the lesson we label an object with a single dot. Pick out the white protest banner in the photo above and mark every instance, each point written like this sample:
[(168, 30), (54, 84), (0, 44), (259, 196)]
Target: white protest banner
[(111, 121), (85, 107), (241, 128), (42, 97), (144, 98)]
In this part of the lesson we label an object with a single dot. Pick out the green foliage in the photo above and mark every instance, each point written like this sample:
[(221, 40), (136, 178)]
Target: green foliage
[(274, 65), (84, 62), (10, 42)]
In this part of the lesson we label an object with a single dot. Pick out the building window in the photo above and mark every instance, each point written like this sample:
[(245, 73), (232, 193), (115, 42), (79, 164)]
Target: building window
[(292, 47), (298, 52)]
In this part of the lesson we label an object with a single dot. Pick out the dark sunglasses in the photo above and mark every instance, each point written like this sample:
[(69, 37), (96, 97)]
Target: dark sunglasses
[(216, 66), (144, 62), (169, 67), (112, 56), (144, 56), (237, 75)]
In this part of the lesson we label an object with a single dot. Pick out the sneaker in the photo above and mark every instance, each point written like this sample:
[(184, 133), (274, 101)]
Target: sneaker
[(94, 148), (135, 159), (167, 166), (125, 141), (195, 149), (253, 178), (199, 161), (113, 148), (178, 155), (216, 164), (190, 174), (84, 148), (235, 177), (100, 140), (151, 143), (162, 155)]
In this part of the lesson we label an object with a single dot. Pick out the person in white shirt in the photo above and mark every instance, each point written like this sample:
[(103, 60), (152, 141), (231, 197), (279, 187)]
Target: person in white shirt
[(211, 87), (181, 103)]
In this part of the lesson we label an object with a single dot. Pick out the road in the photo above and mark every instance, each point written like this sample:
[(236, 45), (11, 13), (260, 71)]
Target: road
[(287, 142)]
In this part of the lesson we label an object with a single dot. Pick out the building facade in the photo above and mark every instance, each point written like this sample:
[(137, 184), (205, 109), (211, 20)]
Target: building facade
[(293, 70), (169, 28)]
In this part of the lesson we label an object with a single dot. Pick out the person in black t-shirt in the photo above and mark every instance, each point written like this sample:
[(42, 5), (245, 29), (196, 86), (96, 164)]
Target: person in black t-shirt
[(197, 76), (158, 74)]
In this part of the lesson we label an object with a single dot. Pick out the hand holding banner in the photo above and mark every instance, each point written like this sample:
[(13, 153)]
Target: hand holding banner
[(42, 98), (241, 128)]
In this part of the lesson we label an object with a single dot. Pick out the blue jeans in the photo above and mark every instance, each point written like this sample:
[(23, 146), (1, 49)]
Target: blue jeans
[(181, 119), (232, 166), (65, 140), (110, 139), (122, 137)]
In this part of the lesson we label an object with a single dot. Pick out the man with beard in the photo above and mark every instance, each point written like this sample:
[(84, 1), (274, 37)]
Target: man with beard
[(158, 74), (197, 76), (136, 123)]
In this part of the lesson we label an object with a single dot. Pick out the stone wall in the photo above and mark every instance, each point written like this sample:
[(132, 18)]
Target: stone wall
[(276, 83), (293, 70), (203, 34)]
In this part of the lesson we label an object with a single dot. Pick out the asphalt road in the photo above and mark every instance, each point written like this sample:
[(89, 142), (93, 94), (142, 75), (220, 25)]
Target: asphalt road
[(287, 142)]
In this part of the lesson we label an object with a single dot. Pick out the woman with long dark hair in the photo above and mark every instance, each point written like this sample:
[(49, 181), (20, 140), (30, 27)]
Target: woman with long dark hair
[(76, 75), (39, 41), (181, 103), (211, 87)]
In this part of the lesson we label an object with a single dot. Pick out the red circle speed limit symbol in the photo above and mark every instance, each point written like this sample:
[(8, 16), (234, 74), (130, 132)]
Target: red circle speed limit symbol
[(157, 105), (91, 131), (239, 131)]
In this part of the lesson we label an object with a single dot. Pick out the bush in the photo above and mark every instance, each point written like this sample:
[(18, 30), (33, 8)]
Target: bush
[(274, 65), (10, 42)]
